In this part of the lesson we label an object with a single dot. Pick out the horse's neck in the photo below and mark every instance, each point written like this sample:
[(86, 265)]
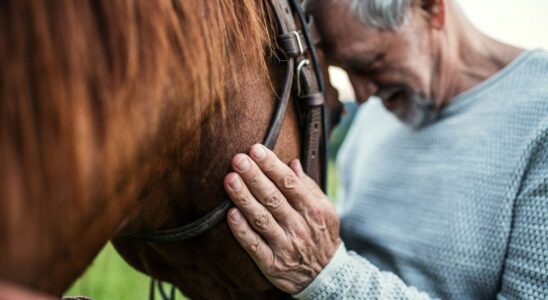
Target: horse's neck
[(212, 265), (80, 145), (52, 228), (186, 168)]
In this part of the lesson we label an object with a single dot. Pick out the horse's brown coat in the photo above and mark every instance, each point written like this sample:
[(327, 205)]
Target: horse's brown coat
[(120, 115)]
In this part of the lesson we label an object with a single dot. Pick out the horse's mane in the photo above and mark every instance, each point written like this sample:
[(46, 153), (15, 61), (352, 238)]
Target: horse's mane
[(76, 74)]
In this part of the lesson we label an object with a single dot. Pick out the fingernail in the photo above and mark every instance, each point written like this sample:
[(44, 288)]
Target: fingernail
[(235, 216), (236, 184), (258, 152), (243, 164)]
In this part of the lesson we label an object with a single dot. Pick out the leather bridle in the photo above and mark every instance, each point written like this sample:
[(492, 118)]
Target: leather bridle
[(303, 79), (303, 72)]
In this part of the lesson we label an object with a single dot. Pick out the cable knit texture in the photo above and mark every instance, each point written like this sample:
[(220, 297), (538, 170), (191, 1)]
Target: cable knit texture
[(455, 210)]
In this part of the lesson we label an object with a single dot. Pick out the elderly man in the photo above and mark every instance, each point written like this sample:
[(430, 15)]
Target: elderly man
[(445, 182)]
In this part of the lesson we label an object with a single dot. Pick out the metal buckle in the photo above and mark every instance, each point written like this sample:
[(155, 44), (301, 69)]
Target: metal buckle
[(300, 66), (299, 43)]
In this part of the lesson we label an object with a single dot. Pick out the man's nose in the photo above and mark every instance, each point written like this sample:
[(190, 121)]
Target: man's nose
[(363, 87)]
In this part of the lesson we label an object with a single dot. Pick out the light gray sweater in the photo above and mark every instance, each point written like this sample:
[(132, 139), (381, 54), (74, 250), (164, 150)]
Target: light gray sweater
[(455, 210)]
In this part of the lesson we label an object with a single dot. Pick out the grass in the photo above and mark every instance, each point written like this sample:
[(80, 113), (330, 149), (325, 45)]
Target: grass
[(332, 181), (110, 277)]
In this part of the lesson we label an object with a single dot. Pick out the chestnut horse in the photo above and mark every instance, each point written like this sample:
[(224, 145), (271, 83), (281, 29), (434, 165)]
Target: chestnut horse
[(121, 116)]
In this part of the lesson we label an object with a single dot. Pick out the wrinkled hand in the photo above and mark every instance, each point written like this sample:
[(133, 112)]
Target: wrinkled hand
[(282, 218)]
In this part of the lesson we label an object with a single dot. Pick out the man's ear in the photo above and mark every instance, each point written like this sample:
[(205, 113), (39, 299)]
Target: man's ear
[(435, 10)]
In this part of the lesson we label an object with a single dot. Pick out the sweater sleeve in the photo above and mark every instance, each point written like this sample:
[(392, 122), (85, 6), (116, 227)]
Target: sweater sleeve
[(350, 276), (525, 273)]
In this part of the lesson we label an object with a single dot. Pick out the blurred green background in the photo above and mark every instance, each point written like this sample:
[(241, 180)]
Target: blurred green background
[(110, 277)]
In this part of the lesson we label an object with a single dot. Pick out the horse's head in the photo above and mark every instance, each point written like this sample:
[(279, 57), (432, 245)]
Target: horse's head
[(213, 265), (121, 117)]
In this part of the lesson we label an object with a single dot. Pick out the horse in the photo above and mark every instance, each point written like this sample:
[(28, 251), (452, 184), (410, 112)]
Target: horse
[(121, 116)]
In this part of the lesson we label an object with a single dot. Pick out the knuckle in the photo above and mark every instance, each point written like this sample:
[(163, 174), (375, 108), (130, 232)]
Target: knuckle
[(317, 220), (262, 221), (289, 180), (242, 233), (244, 200), (310, 185), (269, 163), (253, 177), (273, 200), (316, 214), (253, 247), (331, 210)]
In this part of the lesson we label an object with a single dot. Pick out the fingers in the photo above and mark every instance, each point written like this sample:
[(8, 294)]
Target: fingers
[(260, 218), (263, 189), (309, 183), (284, 177), (296, 166), (253, 244)]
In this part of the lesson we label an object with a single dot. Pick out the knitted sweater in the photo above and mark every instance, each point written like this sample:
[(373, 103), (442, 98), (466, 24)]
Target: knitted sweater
[(455, 210)]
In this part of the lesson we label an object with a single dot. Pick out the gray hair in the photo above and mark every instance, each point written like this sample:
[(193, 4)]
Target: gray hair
[(384, 14)]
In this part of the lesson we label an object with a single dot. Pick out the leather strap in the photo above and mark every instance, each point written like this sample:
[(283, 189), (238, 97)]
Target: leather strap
[(286, 24), (313, 30), (314, 109), (313, 100), (312, 140), (187, 231), (318, 73), (292, 44), (313, 106)]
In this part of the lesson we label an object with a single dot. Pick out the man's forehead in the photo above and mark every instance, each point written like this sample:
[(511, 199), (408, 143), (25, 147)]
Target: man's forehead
[(343, 34)]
